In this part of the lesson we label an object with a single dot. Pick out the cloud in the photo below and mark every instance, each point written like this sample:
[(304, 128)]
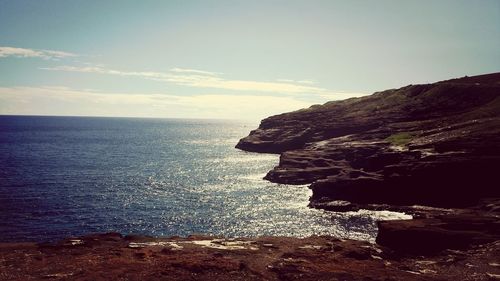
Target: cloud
[(67, 101), (203, 79), (193, 71), (33, 53), (310, 82)]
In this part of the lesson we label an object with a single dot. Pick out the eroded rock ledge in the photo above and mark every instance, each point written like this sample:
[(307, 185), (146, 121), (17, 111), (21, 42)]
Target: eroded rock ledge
[(435, 145)]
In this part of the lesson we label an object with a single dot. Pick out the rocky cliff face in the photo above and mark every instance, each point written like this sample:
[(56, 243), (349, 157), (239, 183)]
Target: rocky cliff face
[(434, 144)]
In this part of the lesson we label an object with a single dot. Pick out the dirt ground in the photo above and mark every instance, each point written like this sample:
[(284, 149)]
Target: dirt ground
[(114, 257)]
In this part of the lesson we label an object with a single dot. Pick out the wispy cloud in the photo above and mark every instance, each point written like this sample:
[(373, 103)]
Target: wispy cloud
[(67, 101), (309, 82), (33, 53), (193, 71), (202, 79)]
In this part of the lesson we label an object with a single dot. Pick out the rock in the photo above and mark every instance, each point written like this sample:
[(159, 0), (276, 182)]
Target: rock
[(430, 236), (434, 144), (289, 258), (335, 206)]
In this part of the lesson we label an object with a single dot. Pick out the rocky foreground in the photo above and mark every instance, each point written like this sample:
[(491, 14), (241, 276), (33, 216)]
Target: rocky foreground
[(114, 257)]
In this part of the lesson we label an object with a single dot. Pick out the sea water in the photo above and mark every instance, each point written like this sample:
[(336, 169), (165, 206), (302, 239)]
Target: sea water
[(69, 176)]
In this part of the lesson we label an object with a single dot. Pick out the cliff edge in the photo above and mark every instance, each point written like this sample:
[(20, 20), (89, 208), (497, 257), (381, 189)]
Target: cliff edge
[(434, 145)]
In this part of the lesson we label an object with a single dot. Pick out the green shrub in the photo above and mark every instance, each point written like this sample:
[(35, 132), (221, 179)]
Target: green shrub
[(402, 138)]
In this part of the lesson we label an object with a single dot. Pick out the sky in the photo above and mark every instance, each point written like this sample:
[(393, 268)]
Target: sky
[(231, 59)]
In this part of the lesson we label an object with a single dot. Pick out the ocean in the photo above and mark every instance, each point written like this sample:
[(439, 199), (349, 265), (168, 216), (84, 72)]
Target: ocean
[(70, 176)]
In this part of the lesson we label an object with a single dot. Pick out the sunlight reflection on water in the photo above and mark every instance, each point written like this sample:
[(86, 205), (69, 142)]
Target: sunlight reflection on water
[(72, 176)]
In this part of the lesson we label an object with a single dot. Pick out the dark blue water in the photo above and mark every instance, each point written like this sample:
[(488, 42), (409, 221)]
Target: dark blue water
[(65, 176)]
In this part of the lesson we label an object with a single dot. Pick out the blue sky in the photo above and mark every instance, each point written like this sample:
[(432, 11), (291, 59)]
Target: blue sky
[(231, 59)]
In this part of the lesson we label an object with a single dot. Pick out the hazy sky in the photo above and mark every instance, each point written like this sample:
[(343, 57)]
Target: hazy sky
[(231, 59)]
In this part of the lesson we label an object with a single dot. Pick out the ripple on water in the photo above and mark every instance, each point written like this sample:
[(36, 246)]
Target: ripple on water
[(72, 176)]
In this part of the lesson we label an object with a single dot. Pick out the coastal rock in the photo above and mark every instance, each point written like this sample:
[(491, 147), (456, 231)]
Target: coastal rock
[(112, 257), (434, 144), (431, 235)]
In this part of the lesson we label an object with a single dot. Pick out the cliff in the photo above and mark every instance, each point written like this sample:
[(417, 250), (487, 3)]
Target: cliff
[(436, 145)]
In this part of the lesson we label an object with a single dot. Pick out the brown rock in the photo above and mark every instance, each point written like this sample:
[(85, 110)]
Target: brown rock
[(435, 144), (432, 235)]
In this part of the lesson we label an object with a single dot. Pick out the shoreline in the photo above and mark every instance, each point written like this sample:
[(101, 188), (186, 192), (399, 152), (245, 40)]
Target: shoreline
[(423, 248)]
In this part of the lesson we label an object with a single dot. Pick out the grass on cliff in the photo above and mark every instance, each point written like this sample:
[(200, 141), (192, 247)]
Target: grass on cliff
[(400, 139)]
